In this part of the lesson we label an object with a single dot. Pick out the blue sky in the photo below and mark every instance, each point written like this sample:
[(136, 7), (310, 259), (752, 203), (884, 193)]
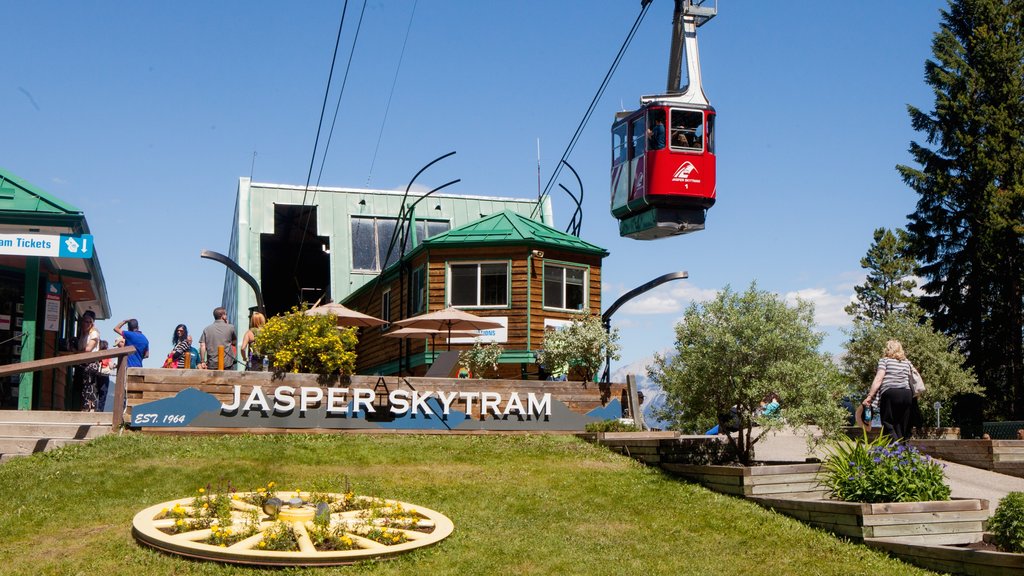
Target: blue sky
[(145, 114)]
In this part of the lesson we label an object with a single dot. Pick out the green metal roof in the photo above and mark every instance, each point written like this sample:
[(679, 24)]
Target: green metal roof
[(18, 196), (509, 228)]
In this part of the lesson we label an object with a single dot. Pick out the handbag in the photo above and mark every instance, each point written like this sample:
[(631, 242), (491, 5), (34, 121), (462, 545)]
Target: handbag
[(170, 362), (916, 382)]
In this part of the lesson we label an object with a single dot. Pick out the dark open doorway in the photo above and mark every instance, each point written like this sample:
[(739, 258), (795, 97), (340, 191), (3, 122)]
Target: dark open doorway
[(295, 263)]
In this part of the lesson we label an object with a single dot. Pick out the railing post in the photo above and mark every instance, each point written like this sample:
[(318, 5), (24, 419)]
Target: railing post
[(120, 392)]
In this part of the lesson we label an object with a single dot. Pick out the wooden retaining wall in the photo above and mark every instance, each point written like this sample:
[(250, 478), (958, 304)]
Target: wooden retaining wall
[(952, 559), (948, 522), (675, 453), (1003, 456)]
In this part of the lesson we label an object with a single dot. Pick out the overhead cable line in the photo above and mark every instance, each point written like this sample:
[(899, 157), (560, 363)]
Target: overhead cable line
[(341, 92), (387, 108), (316, 142), (590, 110)]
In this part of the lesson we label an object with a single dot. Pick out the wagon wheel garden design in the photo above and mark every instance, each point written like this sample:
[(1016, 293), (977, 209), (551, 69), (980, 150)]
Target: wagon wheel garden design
[(268, 526)]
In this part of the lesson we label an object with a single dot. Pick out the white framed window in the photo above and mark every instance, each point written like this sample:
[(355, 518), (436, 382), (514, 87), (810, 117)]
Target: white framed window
[(565, 287), (418, 291), (478, 284), (385, 309)]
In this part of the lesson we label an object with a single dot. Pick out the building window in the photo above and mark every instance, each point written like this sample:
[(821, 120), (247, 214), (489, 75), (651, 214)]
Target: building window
[(418, 291), (564, 287), (480, 284), (385, 309), (371, 237)]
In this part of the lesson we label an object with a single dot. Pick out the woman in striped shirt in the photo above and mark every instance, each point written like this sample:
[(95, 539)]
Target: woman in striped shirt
[(895, 394)]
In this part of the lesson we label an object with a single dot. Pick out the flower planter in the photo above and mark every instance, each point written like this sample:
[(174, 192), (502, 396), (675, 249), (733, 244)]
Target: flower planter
[(793, 480), (959, 521), (952, 559)]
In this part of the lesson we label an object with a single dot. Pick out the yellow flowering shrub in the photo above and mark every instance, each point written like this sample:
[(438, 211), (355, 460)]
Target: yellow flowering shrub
[(296, 342)]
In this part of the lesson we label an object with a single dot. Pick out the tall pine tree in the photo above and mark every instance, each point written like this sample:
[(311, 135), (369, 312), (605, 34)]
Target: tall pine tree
[(968, 229), (888, 288)]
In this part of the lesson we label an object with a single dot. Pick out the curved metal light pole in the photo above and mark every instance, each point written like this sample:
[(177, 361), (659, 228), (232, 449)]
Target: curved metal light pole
[(234, 267), (606, 317)]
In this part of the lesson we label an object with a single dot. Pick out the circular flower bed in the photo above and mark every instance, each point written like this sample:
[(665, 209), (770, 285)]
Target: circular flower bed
[(268, 526)]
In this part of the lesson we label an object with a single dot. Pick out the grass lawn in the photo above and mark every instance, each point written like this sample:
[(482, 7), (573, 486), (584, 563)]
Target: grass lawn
[(521, 505)]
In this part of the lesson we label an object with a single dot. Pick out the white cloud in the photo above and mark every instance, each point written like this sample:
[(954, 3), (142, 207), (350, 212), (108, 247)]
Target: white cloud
[(828, 306), (666, 299), (653, 304)]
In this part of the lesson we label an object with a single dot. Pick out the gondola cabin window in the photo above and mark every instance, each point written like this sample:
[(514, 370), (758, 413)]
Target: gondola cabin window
[(687, 131), (564, 287), (479, 284)]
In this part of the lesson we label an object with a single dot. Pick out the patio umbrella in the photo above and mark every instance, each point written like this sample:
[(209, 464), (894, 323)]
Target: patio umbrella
[(424, 332), (346, 316), (450, 320)]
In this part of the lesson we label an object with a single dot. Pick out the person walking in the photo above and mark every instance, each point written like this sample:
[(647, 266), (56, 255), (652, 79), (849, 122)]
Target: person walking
[(219, 334), (894, 391)]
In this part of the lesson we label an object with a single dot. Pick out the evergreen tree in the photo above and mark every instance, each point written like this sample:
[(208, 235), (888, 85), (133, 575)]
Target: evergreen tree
[(968, 229), (889, 285)]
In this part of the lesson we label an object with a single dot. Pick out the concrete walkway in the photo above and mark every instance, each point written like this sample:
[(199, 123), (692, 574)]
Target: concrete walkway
[(965, 481)]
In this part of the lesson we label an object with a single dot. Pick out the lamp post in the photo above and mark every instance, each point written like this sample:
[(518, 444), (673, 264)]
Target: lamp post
[(606, 317)]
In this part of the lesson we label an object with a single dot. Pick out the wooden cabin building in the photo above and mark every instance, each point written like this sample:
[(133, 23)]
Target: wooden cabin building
[(505, 267)]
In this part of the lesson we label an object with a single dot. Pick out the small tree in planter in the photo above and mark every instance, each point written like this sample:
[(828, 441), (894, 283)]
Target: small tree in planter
[(731, 352), (310, 344), (583, 345), (479, 358)]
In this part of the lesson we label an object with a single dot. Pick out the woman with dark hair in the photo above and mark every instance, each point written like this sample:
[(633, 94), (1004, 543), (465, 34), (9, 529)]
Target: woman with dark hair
[(182, 343)]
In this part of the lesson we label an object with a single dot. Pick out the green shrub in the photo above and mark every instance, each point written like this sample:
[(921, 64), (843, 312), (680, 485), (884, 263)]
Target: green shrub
[(311, 344), (862, 471), (1007, 524), (479, 359), (612, 426)]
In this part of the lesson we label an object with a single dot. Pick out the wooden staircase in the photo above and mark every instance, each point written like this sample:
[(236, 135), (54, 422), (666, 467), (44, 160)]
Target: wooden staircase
[(24, 432)]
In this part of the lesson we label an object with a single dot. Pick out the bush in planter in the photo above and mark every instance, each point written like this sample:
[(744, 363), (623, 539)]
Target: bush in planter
[(1007, 524), (311, 344), (612, 426), (479, 359), (880, 471)]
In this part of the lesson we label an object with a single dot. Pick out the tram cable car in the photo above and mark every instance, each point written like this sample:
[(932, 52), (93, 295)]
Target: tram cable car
[(663, 154)]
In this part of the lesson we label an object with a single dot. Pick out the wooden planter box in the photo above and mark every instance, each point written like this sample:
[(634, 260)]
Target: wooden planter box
[(787, 479), (948, 522), (952, 559), (653, 448), (1003, 456)]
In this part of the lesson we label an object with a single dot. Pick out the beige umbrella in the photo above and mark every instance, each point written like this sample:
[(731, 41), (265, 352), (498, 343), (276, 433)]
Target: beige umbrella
[(346, 316), (424, 332), (450, 320)]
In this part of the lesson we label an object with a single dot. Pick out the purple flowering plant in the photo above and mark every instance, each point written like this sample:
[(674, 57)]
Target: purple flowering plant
[(881, 470)]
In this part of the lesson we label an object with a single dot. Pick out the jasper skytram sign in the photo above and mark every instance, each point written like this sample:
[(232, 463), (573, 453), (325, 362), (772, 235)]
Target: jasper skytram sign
[(411, 404)]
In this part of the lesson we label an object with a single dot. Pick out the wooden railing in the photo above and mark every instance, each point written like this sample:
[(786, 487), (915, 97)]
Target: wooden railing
[(120, 379)]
